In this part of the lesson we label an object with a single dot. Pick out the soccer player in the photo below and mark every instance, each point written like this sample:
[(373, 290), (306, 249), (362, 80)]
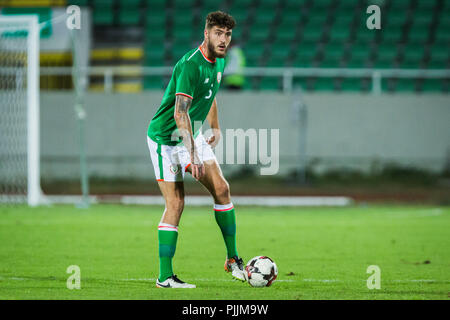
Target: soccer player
[(177, 146)]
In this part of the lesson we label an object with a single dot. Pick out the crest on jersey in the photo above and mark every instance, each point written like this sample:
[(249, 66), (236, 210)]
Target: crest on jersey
[(175, 168), (219, 77)]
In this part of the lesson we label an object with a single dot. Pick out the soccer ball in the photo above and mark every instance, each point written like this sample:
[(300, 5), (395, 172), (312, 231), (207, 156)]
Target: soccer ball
[(261, 271)]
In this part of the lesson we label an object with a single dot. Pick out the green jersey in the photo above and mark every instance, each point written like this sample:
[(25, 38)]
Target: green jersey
[(196, 77)]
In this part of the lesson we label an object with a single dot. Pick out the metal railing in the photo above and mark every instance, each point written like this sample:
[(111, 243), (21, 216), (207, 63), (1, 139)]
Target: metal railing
[(287, 74)]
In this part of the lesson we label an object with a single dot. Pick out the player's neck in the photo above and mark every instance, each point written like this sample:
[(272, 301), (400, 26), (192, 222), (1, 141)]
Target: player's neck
[(206, 52)]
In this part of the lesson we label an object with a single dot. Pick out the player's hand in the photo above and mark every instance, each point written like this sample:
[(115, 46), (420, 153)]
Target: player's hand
[(213, 140), (197, 170)]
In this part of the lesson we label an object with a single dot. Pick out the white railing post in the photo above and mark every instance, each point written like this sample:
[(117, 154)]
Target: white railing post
[(108, 80), (287, 81), (376, 83)]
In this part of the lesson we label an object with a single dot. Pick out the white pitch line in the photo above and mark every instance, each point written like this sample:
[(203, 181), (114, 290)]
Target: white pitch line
[(300, 280), (280, 280), (197, 279)]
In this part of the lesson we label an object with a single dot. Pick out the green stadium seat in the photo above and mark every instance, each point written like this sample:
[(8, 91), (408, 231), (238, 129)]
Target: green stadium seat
[(317, 21), (103, 17), (442, 36), (180, 50), (422, 21), (413, 56), (340, 34), (129, 4), (426, 5), (391, 35), (351, 84), (81, 3), (432, 85), (270, 83), (395, 20), (333, 56), (275, 61), (130, 17), (236, 34), (418, 35), (154, 82), (153, 5), (366, 36), (289, 23), (154, 61), (252, 54), (304, 59), (324, 84), (294, 5), (156, 35), (439, 59), (312, 34), (388, 85), (258, 37), (406, 85), (182, 21), (400, 5), (386, 56), (102, 3), (278, 57), (154, 21), (443, 23), (283, 39), (183, 4)]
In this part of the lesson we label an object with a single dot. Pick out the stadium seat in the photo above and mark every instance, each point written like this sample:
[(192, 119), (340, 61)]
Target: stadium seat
[(350, 84), (128, 4), (103, 17), (432, 85), (270, 83), (130, 17), (155, 5), (81, 3), (413, 56)]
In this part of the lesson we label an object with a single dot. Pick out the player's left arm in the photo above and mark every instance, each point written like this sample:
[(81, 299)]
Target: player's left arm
[(213, 120)]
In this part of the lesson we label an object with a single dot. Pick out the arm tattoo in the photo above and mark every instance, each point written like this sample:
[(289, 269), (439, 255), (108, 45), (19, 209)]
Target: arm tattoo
[(182, 104), (183, 122)]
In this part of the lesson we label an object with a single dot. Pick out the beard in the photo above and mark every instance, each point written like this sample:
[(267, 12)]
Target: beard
[(213, 50)]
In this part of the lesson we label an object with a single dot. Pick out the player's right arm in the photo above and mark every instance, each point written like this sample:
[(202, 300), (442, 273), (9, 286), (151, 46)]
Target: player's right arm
[(183, 121)]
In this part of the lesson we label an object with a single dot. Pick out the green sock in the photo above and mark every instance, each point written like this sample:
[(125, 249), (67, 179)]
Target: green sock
[(226, 219), (167, 238)]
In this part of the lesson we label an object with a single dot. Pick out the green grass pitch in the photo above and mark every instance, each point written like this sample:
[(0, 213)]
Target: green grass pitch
[(321, 253)]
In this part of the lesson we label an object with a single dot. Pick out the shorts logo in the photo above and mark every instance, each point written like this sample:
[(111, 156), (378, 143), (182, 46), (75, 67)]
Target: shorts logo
[(175, 168), (219, 77)]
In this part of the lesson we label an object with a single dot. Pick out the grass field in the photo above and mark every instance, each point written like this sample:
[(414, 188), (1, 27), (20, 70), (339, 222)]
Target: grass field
[(321, 253)]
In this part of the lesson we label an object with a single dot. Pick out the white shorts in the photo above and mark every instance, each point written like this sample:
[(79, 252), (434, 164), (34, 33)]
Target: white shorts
[(170, 162)]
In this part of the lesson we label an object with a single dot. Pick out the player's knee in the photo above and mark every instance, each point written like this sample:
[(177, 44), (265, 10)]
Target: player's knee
[(176, 204), (223, 191)]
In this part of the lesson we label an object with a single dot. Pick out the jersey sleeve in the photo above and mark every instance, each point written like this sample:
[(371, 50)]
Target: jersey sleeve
[(187, 80)]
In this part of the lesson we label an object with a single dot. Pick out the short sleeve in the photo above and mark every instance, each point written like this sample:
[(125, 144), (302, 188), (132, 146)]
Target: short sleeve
[(187, 79)]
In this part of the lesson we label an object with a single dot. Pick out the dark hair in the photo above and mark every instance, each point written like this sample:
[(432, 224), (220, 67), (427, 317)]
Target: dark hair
[(221, 19)]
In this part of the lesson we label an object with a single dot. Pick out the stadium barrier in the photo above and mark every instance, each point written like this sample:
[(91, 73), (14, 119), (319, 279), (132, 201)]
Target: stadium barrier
[(287, 74)]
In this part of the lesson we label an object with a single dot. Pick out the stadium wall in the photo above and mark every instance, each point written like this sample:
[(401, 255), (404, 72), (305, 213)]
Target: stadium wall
[(344, 130)]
